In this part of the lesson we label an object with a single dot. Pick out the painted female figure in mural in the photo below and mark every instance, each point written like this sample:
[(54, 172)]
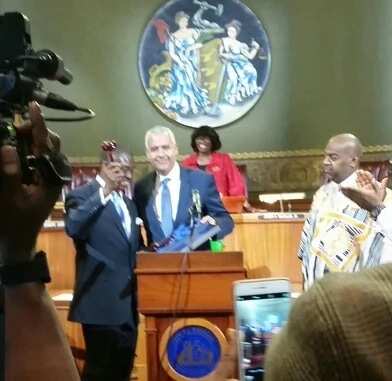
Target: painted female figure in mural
[(240, 74), (185, 96)]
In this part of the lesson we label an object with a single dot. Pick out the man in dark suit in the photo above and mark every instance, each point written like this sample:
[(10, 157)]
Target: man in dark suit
[(101, 219), (164, 197)]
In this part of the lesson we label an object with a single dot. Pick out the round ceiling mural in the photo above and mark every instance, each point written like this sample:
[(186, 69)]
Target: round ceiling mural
[(204, 62)]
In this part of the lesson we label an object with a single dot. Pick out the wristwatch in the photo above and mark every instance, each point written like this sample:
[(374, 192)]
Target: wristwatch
[(36, 270), (374, 213)]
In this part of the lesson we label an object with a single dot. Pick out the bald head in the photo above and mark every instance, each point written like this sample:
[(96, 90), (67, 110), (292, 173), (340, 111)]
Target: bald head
[(342, 156), (349, 143)]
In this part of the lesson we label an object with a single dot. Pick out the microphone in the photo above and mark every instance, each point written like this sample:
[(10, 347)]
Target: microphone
[(195, 208), (12, 87), (196, 203), (53, 100)]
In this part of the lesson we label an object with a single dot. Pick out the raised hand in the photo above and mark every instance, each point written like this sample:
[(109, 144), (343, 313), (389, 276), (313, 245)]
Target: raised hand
[(369, 193), (113, 175)]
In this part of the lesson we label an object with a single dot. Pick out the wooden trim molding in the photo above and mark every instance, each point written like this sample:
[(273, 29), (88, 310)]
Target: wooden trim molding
[(387, 148), (265, 172)]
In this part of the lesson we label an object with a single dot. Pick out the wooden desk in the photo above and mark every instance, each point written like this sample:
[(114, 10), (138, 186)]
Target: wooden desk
[(269, 246), (61, 257)]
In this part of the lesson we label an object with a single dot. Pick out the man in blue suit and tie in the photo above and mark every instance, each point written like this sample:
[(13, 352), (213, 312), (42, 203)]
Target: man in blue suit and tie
[(101, 219), (165, 197)]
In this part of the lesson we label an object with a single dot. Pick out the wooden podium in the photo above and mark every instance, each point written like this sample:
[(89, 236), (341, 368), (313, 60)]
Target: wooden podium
[(178, 286)]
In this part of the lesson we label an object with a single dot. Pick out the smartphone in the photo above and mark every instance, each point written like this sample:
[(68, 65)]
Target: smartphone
[(261, 309)]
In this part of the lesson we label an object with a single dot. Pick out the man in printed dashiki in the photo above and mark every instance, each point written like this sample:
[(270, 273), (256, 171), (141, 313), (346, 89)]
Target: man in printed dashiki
[(339, 235)]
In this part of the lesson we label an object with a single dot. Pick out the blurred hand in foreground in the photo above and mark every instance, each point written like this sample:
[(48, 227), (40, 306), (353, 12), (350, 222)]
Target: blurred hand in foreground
[(24, 208)]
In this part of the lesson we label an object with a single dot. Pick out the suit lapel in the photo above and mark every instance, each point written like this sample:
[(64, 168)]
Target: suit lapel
[(155, 225), (151, 215), (184, 201), (133, 239), (133, 213)]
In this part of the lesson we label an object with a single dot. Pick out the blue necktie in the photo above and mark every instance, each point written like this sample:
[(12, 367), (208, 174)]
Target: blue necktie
[(166, 209)]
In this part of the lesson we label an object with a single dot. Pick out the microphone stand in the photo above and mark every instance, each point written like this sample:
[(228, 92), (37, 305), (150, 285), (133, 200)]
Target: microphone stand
[(194, 220)]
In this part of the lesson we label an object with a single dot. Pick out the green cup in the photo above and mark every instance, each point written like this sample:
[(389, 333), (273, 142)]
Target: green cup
[(216, 246)]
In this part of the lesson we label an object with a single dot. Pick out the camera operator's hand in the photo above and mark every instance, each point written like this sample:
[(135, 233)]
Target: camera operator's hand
[(24, 208)]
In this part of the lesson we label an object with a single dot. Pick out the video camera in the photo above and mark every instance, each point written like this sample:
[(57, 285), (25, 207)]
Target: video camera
[(22, 68), (21, 71)]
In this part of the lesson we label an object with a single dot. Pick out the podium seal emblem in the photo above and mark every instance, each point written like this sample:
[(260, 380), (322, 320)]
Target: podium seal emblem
[(191, 349)]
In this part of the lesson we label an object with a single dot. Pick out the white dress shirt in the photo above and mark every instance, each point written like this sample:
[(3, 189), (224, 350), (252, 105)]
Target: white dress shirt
[(174, 185)]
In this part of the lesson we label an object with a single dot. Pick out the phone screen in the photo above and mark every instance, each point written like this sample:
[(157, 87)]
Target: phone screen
[(259, 317)]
